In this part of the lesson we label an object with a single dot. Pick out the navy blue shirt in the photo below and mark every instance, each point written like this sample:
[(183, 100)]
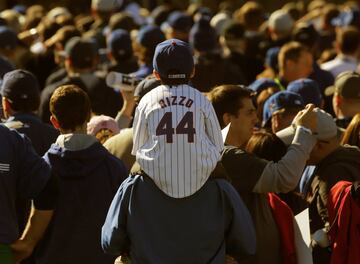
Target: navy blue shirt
[(87, 182), (156, 228), (23, 173), (42, 135)]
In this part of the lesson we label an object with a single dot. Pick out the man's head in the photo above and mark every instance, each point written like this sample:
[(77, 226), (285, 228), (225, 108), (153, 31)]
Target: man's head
[(81, 55), (203, 37), (147, 39), (251, 15), (178, 26), (327, 135), (8, 42), (280, 25), (346, 94), (263, 89), (70, 109), (308, 90), (234, 104), (233, 37), (119, 45), (280, 109), (295, 61), (173, 62), (348, 41), (20, 92)]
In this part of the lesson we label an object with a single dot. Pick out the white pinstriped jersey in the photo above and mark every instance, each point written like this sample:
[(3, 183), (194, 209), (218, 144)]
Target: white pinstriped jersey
[(177, 138)]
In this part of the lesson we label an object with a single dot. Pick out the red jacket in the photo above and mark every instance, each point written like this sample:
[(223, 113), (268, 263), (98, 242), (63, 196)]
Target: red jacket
[(344, 217), (284, 218)]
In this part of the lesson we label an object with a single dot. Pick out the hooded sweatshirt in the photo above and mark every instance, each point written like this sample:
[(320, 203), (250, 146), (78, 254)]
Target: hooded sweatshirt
[(88, 178), (341, 165)]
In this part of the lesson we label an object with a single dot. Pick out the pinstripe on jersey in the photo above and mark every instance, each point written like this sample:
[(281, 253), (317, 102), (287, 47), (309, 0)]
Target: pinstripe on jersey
[(178, 158)]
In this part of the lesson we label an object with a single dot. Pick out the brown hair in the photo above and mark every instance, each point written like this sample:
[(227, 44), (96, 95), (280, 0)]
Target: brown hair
[(290, 51), (266, 145), (251, 15), (348, 39), (71, 106), (352, 132), (227, 99)]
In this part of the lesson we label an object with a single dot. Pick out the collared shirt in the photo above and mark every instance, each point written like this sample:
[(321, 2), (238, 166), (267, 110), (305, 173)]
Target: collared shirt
[(340, 64)]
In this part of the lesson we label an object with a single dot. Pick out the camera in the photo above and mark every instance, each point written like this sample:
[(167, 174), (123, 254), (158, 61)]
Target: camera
[(120, 81)]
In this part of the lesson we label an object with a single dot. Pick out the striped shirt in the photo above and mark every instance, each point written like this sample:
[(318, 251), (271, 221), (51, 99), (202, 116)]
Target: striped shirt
[(177, 138)]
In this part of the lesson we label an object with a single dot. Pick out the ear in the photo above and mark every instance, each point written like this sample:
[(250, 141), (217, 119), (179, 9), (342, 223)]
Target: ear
[(6, 105), (54, 122), (275, 122), (157, 75), (338, 99), (226, 118), (193, 72)]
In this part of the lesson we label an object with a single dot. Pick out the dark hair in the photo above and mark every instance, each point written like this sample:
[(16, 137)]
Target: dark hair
[(71, 106), (25, 105), (227, 99), (352, 132), (266, 145), (348, 39)]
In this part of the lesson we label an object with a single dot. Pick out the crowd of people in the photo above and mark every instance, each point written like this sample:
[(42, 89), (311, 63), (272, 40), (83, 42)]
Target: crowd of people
[(220, 126)]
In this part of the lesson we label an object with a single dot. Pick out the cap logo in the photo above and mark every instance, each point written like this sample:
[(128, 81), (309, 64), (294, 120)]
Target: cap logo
[(176, 76)]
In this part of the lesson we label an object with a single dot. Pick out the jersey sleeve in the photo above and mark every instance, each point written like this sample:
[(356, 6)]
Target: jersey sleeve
[(212, 127), (140, 132)]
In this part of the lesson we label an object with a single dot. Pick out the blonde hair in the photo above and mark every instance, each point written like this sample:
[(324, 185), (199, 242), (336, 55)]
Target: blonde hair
[(104, 134)]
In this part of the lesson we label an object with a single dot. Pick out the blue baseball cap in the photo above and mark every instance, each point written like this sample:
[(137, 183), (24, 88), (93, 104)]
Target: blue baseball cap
[(308, 89), (271, 58), (20, 86), (173, 59), (203, 36), (261, 84), (179, 21), (279, 101), (149, 36), (119, 43)]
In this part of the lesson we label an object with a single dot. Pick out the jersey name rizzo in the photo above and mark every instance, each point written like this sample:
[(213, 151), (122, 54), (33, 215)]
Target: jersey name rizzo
[(176, 100)]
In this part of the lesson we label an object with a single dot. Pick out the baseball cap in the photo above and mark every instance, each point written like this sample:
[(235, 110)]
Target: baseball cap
[(81, 51), (326, 128), (279, 101), (20, 85), (306, 34), (173, 59), (146, 86), (271, 58), (149, 36), (347, 84), (281, 21), (219, 21), (233, 30), (119, 43), (261, 84), (105, 5), (8, 38), (308, 89), (102, 122), (179, 21), (347, 18), (202, 35)]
